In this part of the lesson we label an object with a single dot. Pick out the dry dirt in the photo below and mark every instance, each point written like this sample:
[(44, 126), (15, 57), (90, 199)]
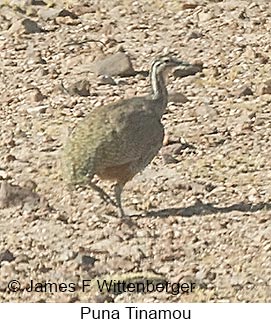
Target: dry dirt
[(200, 213)]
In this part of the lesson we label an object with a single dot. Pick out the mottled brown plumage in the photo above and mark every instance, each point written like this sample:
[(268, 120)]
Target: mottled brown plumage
[(118, 140)]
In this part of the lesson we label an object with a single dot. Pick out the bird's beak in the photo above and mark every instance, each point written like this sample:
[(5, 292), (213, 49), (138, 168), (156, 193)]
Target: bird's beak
[(182, 63)]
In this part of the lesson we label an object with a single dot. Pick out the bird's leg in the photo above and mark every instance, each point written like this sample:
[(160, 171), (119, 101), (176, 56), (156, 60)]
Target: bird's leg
[(118, 190), (104, 196)]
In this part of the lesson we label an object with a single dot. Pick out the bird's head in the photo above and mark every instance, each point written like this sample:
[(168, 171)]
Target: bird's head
[(163, 64)]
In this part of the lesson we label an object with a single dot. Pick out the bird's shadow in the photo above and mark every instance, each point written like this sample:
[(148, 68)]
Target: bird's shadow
[(200, 209)]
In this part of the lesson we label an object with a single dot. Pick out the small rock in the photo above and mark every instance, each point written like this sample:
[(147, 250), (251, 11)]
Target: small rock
[(67, 255), (6, 256), (250, 52), (263, 59), (237, 280), (177, 148), (265, 88), (168, 159), (31, 185), (201, 275), (22, 258), (12, 195), (83, 8), (105, 244), (37, 2), (209, 187), (186, 6), (177, 97), (26, 26), (80, 87), (38, 110), (118, 64), (253, 194), (204, 110), (169, 153), (67, 20), (34, 57), (194, 35), (103, 298), (24, 3), (85, 260), (244, 91), (36, 95), (183, 72), (117, 264), (52, 13), (243, 14), (10, 158), (105, 79), (205, 16), (3, 174), (259, 121), (166, 140), (41, 72)]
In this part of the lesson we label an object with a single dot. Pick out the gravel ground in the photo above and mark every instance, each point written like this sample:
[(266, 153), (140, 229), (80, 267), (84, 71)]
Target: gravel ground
[(200, 213)]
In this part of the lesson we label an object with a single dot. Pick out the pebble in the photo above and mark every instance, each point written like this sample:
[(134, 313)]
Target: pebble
[(25, 25), (244, 91), (6, 256), (118, 64)]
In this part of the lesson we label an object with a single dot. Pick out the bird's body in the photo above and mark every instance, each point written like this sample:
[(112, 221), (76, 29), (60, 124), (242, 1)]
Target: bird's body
[(124, 140), (118, 140)]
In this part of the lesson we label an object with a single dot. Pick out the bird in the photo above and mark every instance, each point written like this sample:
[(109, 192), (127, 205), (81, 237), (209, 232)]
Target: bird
[(118, 140)]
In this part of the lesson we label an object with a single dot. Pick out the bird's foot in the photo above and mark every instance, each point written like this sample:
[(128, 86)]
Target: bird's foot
[(123, 218), (121, 213), (107, 199), (103, 195)]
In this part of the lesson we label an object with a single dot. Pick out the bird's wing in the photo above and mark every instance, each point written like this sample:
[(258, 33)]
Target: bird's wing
[(135, 133)]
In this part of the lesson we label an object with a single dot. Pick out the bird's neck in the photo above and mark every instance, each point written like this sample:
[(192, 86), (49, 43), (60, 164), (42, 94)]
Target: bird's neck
[(159, 90), (158, 85)]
